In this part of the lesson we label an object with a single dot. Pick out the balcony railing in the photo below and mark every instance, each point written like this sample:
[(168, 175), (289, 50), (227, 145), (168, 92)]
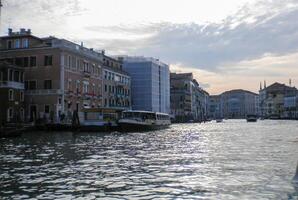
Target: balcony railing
[(44, 92), (12, 84)]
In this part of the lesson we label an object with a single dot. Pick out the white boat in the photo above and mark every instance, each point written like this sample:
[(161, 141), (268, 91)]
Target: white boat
[(135, 120)]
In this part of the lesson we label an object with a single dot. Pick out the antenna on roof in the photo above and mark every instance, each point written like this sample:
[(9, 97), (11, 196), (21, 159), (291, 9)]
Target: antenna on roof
[(290, 82)]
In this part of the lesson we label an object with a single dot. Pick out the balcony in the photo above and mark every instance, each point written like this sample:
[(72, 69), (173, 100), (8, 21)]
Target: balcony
[(44, 92), (87, 74), (12, 84)]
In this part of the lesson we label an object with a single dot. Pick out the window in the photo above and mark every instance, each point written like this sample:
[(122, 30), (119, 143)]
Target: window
[(26, 62), (10, 95), (22, 114), (17, 43), (106, 88), (85, 87), (9, 44), (48, 60), (78, 87), (78, 64), (106, 75), (25, 43), (69, 61), (26, 85), (32, 85), (93, 69), (47, 109), (69, 84), (16, 77), (19, 62), (10, 75), (33, 61), (86, 67), (22, 96), (9, 114), (48, 84), (22, 77)]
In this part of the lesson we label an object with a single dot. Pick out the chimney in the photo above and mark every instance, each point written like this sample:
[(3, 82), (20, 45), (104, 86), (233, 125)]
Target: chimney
[(22, 31), (82, 44)]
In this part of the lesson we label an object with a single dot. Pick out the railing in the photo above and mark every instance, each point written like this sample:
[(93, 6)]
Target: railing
[(44, 92), (12, 84)]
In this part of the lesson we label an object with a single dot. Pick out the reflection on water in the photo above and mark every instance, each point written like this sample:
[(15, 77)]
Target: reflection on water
[(230, 160)]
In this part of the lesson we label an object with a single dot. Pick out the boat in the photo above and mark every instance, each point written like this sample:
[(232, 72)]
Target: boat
[(219, 120), (251, 118), (136, 120)]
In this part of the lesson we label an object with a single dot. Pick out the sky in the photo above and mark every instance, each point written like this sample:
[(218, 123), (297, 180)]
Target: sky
[(229, 44)]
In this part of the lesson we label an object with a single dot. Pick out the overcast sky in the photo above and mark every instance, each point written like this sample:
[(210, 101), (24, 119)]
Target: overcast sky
[(227, 44)]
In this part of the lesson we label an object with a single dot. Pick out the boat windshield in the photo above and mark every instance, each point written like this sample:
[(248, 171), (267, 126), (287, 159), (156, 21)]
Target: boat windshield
[(139, 115)]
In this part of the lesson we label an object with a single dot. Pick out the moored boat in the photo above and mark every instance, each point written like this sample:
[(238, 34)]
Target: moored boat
[(143, 120), (251, 118)]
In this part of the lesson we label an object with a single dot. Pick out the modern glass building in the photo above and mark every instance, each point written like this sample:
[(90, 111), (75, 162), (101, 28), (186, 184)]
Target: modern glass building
[(150, 83)]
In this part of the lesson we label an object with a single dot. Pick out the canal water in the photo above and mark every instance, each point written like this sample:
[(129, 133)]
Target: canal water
[(229, 160)]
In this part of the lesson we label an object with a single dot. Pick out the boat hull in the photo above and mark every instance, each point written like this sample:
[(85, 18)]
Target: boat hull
[(129, 127), (251, 120)]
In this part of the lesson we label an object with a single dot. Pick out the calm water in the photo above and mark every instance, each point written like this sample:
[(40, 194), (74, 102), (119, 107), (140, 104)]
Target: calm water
[(230, 160)]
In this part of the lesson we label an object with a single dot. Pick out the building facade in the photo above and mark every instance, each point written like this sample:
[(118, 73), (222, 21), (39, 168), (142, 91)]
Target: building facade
[(278, 101), (189, 102), (60, 76), (12, 108), (237, 104), (215, 107), (116, 85), (150, 83)]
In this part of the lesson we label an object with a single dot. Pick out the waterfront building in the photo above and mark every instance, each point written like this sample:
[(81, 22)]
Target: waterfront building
[(60, 76), (150, 83), (116, 85), (11, 93), (188, 100), (215, 107), (237, 104), (278, 101)]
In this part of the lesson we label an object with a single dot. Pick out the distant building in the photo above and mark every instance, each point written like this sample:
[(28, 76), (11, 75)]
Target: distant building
[(215, 107), (278, 101), (150, 83), (60, 76), (12, 107), (237, 104), (188, 100)]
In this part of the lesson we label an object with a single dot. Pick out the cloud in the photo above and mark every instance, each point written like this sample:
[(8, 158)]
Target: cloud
[(40, 15), (268, 27)]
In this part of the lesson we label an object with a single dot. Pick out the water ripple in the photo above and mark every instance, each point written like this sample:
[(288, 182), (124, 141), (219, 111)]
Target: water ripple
[(231, 160)]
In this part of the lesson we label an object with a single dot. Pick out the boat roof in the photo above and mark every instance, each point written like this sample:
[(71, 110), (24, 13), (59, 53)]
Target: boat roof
[(144, 111)]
